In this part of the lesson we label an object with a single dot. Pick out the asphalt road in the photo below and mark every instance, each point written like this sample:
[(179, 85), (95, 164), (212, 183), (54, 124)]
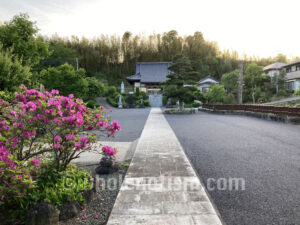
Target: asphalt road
[(132, 122), (265, 154)]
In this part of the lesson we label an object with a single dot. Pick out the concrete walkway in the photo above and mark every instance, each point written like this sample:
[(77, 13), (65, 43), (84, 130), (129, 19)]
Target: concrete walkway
[(161, 187)]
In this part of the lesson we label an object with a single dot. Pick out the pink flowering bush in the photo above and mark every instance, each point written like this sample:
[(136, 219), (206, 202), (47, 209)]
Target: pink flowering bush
[(39, 127), (109, 151)]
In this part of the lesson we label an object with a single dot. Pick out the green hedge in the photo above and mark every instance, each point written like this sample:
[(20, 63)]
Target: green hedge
[(92, 104), (112, 102)]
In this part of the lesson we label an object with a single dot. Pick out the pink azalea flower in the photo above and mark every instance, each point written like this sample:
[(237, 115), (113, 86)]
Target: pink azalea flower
[(77, 145), (13, 113), (70, 137), (84, 217), (57, 138), (108, 150), (57, 146), (36, 162), (55, 92), (31, 106), (4, 126), (39, 116), (33, 133)]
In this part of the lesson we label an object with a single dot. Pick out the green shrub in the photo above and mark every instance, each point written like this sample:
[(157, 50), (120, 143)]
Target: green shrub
[(52, 187), (147, 103), (112, 102), (137, 92), (230, 99), (59, 187), (95, 88), (111, 91), (92, 104), (196, 104), (192, 105), (176, 111), (66, 79), (12, 71), (297, 93), (261, 100), (215, 94)]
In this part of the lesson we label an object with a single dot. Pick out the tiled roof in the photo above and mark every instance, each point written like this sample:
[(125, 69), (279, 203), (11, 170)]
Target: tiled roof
[(136, 77), (293, 63), (208, 80), (151, 72), (275, 66)]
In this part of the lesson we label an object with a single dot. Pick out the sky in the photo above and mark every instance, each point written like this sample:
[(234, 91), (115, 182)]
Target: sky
[(254, 27)]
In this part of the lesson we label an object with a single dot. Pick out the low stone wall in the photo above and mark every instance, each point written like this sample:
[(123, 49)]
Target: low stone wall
[(277, 110)]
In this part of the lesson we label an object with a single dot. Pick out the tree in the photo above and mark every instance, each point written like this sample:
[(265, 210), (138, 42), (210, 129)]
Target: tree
[(253, 79), (230, 80), (279, 80), (20, 35), (215, 94), (65, 79), (12, 71), (297, 93), (281, 58), (95, 88), (180, 84)]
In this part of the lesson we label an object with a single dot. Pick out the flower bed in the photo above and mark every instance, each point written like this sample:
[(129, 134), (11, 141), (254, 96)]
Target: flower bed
[(177, 111), (40, 134)]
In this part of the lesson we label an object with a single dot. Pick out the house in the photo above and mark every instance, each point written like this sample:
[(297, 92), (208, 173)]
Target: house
[(292, 79), (205, 83), (274, 69), (292, 75), (149, 75)]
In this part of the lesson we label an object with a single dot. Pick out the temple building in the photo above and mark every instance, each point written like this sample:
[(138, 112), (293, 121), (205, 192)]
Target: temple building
[(149, 75)]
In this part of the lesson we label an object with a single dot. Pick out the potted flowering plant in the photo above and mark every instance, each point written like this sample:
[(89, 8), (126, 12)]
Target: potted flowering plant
[(109, 156)]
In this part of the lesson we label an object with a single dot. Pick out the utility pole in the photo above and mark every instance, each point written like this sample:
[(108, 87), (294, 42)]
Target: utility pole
[(77, 64), (276, 76), (240, 83)]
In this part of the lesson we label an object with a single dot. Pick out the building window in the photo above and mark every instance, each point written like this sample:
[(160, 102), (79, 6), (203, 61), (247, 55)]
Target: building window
[(297, 68), (290, 85), (289, 69), (205, 89)]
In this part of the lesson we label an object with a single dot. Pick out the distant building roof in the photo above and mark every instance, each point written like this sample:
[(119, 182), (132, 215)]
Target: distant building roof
[(136, 77), (151, 72), (275, 66), (208, 80), (293, 63)]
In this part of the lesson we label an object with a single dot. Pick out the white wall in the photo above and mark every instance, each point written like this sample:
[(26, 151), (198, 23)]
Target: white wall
[(272, 73)]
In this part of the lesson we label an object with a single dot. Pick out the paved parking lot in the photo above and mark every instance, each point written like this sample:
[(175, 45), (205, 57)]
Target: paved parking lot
[(132, 122), (265, 154)]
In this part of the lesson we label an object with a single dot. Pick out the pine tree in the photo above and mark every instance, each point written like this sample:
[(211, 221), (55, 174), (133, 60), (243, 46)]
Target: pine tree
[(181, 84)]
